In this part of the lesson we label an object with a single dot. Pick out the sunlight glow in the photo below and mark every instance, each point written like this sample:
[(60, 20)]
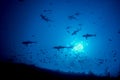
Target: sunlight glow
[(78, 47)]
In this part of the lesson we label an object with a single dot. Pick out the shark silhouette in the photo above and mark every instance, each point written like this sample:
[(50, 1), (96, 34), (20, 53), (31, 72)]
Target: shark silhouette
[(26, 43), (45, 18), (76, 31), (89, 35), (61, 47)]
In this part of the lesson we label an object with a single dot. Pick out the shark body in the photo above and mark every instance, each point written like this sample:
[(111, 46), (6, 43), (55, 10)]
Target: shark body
[(26, 43), (89, 35)]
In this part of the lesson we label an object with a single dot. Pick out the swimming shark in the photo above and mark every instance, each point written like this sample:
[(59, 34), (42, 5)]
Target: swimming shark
[(76, 31), (26, 43), (61, 47), (45, 18), (89, 35)]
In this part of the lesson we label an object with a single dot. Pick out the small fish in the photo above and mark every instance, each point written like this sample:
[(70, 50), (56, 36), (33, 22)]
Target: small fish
[(109, 39), (68, 27), (89, 35), (33, 35), (119, 32), (26, 43), (115, 60), (45, 18), (47, 10), (77, 13), (80, 24), (100, 61), (72, 17)]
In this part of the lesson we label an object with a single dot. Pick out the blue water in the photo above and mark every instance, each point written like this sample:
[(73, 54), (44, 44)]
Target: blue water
[(49, 34)]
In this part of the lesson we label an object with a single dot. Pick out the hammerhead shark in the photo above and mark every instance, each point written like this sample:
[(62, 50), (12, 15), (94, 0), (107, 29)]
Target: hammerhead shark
[(89, 35)]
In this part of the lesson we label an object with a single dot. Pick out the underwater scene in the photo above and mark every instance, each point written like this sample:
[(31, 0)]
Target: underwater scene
[(67, 36)]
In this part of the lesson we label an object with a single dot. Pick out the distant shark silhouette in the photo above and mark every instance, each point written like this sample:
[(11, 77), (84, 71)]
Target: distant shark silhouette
[(45, 18), (89, 35), (76, 31), (26, 43), (61, 47)]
